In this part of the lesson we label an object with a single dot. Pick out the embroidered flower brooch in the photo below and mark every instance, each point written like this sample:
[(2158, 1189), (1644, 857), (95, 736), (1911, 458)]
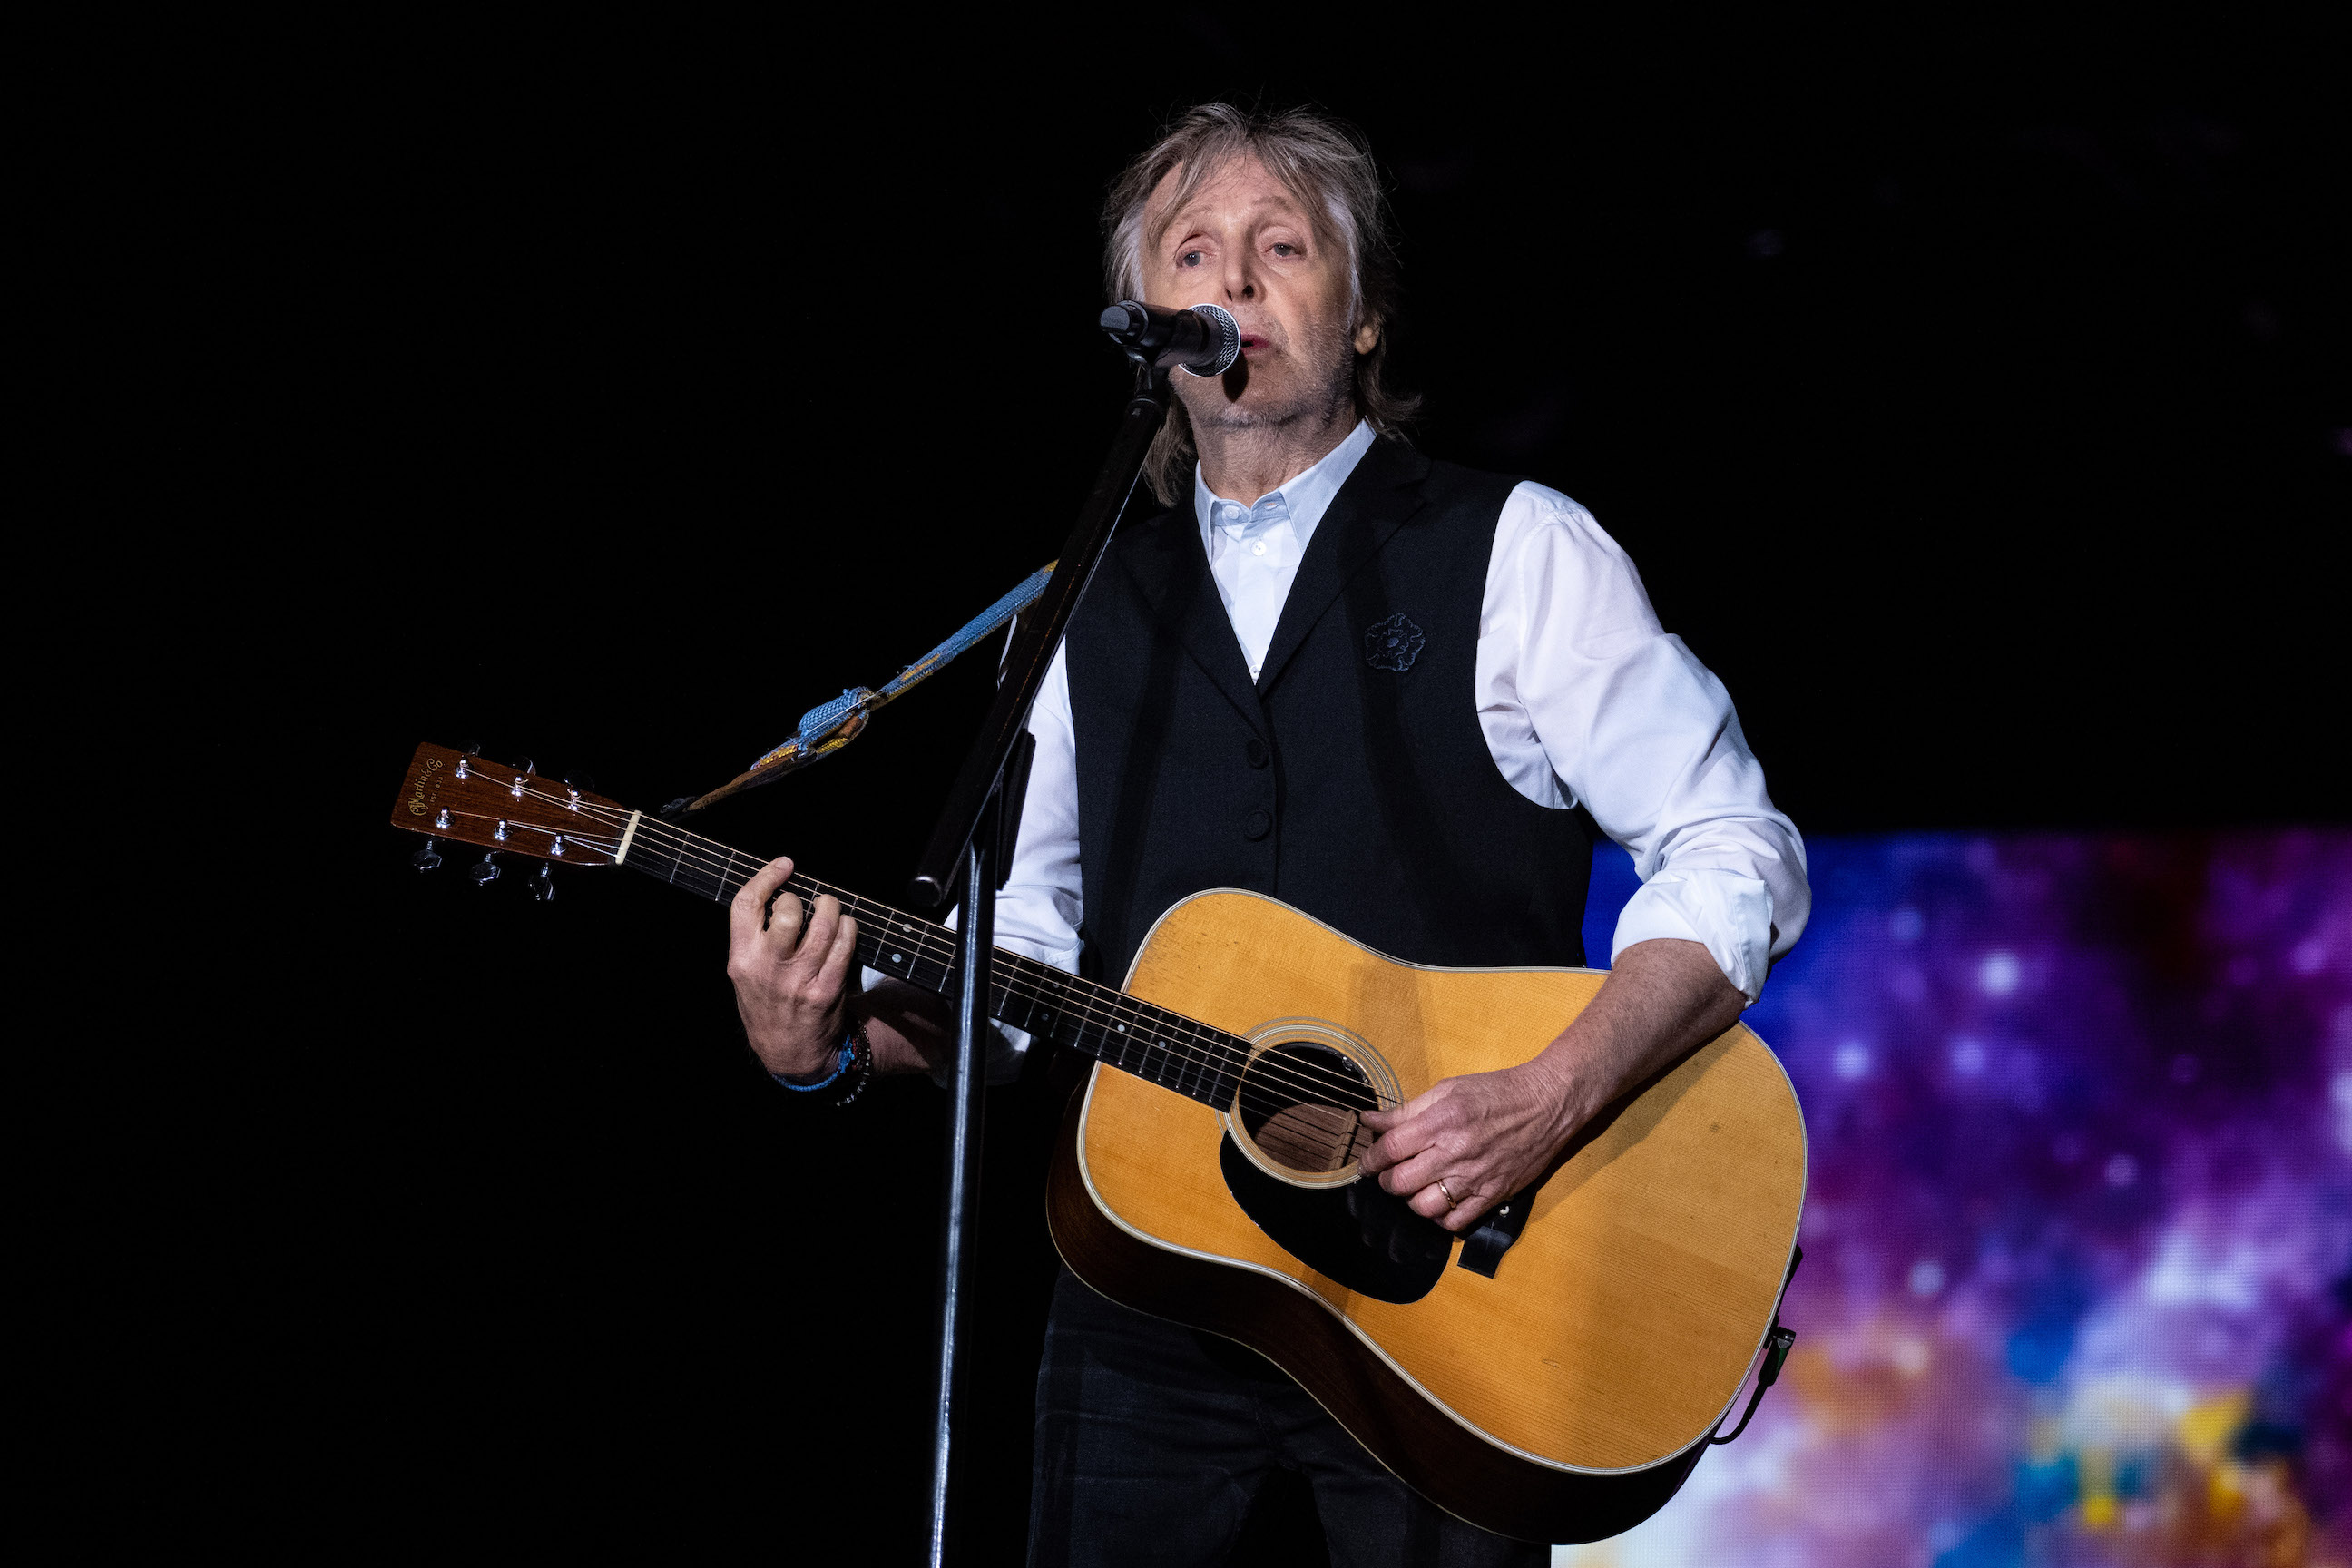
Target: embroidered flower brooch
[(1394, 644)]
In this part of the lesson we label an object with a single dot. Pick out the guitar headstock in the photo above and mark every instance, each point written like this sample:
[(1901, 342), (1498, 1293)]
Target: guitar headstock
[(450, 795)]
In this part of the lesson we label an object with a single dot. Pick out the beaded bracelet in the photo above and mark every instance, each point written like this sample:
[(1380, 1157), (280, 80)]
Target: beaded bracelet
[(861, 1066), (855, 1061)]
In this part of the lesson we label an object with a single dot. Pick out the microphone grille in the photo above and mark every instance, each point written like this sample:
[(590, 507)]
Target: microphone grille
[(1229, 339)]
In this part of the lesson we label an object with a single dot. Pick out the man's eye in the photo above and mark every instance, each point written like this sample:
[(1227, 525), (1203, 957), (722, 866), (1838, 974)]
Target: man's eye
[(1283, 248), (1190, 258)]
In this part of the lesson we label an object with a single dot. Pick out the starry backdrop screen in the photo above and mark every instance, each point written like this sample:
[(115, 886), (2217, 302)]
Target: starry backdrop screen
[(2078, 1227)]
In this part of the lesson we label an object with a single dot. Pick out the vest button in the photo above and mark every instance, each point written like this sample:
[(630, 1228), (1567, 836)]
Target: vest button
[(1256, 751), (1256, 826)]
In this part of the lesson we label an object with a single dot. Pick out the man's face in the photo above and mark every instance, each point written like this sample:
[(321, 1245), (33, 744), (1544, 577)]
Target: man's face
[(1244, 242)]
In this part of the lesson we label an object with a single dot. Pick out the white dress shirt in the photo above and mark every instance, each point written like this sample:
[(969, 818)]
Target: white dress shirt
[(1583, 699)]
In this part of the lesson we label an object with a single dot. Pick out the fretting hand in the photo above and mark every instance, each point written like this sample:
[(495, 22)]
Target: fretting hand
[(791, 984)]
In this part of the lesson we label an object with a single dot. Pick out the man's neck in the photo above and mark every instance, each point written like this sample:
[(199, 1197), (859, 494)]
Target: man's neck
[(1244, 463)]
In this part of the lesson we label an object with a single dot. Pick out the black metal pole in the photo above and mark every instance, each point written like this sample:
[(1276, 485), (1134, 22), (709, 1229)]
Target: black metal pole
[(958, 1237), (962, 841), (1042, 626)]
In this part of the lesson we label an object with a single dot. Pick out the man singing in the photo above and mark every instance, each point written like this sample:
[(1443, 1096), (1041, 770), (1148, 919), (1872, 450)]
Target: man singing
[(1394, 693)]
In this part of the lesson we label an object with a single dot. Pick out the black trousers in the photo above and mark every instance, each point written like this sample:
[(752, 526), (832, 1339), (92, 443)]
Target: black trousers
[(1153, 1440)]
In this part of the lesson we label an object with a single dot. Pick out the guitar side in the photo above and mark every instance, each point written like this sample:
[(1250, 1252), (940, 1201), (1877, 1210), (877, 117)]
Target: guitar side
[(1568, 1397)]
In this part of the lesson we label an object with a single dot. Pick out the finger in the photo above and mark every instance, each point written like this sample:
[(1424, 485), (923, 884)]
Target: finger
[(1409, 1134), (744, 915), (833, 975), (1463, 1214), (1455, 1213), (1401, 1118), (816, 941), (1426, 1169), (1430, 1203), (785, 915)]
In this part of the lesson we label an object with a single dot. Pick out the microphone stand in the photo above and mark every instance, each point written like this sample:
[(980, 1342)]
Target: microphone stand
[(972, 846)]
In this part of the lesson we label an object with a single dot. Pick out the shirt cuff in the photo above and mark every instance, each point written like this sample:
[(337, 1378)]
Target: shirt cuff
[(1729, 914)]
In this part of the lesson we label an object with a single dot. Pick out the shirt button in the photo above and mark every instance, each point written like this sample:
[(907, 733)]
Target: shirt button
[(1256, 826), (1256, 751), (1258, 547)]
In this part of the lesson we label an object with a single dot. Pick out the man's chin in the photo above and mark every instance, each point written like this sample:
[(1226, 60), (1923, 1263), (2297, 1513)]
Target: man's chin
[(1252, 411)]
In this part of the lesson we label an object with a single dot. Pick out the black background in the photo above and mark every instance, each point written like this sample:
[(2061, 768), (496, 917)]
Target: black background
[(1972, 402)]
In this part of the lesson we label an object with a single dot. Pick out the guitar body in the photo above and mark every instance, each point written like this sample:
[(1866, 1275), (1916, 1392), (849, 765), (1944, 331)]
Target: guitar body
[(1564, 1398)]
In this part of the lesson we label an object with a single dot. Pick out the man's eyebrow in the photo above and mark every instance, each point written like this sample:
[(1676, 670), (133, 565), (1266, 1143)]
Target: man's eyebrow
[(1289, 203)]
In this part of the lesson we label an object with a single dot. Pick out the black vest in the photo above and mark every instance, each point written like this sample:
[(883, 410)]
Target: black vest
[(1352, 780)]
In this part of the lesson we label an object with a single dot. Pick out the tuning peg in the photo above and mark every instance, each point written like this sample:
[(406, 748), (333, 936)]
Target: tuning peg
[(429, 857), (584, 783), (486, 871), (543, 888)]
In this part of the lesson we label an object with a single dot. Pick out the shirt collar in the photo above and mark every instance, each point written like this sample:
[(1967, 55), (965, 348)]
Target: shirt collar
[(1302, 501)]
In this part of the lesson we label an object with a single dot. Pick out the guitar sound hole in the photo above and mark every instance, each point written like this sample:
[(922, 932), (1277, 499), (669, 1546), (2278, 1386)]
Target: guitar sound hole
[(1299, 1104)]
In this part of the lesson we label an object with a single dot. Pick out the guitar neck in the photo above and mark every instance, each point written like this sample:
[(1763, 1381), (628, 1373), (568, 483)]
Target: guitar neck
[(1109, 1026)]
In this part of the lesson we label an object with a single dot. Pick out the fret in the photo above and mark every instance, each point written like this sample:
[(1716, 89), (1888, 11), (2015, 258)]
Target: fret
[(1007, 1005), (1135, 1045), (1046, 1013), (1162, 1064), (932, 974), (1207, 1076), (1176, 1055), (1175, 1059)]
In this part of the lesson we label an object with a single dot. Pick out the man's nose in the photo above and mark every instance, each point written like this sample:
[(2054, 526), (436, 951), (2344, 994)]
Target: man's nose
[(1240, 275)]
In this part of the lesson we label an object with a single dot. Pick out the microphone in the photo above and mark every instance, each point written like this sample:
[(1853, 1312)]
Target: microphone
[(1204, 340)]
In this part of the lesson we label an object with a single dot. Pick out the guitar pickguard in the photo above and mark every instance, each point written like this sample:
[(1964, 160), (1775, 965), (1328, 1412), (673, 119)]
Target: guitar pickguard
[(1360, 1236)]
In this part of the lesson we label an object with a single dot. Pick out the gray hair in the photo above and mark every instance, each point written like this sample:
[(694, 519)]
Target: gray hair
[(1328, 167)]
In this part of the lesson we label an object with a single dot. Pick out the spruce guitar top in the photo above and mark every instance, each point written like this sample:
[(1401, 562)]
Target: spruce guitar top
[(1555, 1376)]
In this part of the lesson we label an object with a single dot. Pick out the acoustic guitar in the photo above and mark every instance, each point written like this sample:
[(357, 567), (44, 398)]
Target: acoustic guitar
[(1554, 1376)]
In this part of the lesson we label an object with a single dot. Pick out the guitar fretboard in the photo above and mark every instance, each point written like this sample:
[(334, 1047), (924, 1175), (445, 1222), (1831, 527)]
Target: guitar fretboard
[(1111, 1026)]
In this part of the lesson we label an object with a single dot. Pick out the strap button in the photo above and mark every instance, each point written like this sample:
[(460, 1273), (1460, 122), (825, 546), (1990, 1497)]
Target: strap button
[(1256, 751), (1256, 826)]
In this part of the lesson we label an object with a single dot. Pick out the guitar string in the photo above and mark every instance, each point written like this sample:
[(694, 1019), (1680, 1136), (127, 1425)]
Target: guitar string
[(1192, 1038), (1200, 1044), (932, 944), (1218, 1056), (1253, 1084)]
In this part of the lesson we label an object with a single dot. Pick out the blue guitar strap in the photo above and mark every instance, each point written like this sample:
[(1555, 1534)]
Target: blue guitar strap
[(826, 729)]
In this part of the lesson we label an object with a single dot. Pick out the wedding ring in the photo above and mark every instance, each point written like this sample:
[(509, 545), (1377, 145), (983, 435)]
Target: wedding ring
[(1450, 1199)]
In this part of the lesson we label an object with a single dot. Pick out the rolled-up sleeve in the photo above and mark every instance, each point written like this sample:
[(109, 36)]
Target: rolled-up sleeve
[(1579, 681)]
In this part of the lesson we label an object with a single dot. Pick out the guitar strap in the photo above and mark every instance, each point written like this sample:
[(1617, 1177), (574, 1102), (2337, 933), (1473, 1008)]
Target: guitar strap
[(825, 729)]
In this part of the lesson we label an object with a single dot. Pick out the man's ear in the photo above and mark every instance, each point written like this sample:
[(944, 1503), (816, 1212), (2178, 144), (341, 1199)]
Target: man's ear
[(1367, 334)]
